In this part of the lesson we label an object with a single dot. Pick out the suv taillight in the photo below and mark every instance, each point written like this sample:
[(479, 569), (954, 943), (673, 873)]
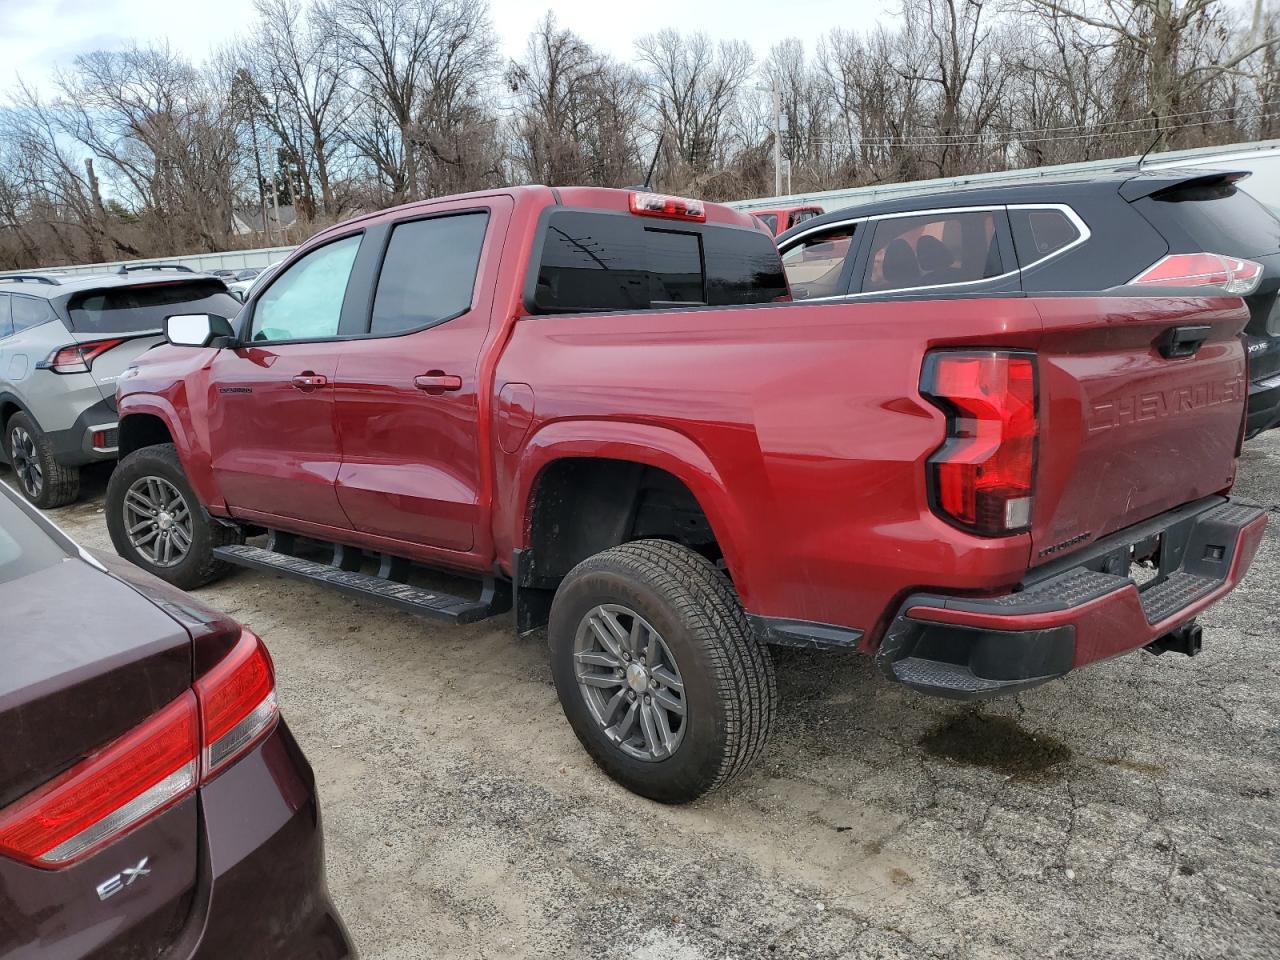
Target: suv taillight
[(983, 476), (79, 357), (150, 768), (1203, 270)]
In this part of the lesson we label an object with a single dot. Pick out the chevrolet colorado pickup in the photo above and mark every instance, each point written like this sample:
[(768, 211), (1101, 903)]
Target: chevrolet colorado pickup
[(605, 409)]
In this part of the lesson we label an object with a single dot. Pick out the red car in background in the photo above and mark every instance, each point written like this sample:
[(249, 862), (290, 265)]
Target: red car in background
[(784, 218)]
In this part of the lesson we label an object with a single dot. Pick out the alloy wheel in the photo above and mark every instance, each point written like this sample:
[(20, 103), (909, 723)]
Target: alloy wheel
[(26, 462), (157, 521), (630, 682)]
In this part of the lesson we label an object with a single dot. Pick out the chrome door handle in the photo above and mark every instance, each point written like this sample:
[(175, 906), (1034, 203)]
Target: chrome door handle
[(437, 382), (310, 381)]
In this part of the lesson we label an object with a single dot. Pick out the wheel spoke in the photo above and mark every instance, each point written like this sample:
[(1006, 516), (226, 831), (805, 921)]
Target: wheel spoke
[(181, 539), (611, 708), (666, 701), (605, 635), (605, 680), (140, 526), (599, 658), (146, 538), (637, 637), (139, 501), (622, 729), (663, 725), (667, 679), (652, 737)]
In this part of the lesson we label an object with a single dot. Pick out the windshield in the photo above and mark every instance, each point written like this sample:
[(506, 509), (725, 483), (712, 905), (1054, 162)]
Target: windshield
[(140, 307), (24, 547)]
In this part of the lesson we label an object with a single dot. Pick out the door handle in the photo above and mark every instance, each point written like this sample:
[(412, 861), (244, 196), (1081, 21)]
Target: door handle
[(437, 382), (309, 381), (1182, 341)]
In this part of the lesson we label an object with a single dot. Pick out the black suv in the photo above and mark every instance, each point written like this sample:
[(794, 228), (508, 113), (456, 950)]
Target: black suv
[(1095, 232)]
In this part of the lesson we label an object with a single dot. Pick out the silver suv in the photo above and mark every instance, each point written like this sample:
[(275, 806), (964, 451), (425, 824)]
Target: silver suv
[(63, 342)]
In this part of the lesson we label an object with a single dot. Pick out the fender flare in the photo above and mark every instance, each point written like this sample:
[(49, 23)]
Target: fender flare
[(648, 444), (195, 463)]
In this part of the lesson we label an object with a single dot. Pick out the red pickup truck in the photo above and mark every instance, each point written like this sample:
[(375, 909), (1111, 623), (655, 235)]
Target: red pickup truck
[(603, 408)]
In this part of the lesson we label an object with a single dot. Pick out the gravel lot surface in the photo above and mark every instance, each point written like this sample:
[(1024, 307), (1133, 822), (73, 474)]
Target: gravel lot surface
[(1129, 811)]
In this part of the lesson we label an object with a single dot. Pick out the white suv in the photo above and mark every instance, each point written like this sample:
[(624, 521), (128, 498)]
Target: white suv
[(63, 342)]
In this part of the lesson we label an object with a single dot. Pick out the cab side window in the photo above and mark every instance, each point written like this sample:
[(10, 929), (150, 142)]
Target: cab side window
[(29, 312), (305, 301), (816, 264), (933, 249), (428, 273)]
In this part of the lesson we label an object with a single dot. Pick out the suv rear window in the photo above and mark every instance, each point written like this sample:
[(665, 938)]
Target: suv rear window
[(592, 261), (1219, 217), (140, 307), (933, 249)]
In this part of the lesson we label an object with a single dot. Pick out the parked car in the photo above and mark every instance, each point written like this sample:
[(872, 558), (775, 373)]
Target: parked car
[(1073, 235), (246, 279), (603, 407), (63, 342), (784, 218), (152, 799)]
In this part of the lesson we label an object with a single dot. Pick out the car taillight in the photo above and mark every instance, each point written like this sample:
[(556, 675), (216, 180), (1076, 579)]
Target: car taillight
[(673, 208), (79, 357), (1202, 270), (150, 768), (983, 475)]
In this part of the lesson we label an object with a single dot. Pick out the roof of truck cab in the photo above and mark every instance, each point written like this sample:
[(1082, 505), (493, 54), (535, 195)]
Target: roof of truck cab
[(1130, 181)]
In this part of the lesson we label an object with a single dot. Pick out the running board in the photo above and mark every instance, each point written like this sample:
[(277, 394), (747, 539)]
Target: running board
[(495, 597)]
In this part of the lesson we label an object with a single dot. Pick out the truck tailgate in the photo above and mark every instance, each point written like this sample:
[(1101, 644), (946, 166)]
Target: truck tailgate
[(1127, 432)]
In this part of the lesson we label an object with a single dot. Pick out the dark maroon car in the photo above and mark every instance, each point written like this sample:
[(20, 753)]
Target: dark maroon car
[(152, 801)]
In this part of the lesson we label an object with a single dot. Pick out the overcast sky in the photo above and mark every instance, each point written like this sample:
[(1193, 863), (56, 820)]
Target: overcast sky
[(37, 35)]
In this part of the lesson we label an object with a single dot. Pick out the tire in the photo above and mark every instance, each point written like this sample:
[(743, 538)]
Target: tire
[(158, 469), (728, 693), (41, 478)]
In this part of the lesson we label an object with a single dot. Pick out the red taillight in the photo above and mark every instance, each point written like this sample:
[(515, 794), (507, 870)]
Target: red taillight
[(1203, 270), (150, 768), (983, 476), (79, 357), (237, 703), (673, 208)]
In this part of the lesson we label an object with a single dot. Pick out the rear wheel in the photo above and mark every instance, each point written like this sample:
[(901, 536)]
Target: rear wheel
[(658, 672), (41, 478), (157, 523)]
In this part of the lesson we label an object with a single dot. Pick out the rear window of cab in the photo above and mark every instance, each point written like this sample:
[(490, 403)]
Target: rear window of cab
[(591, 261)]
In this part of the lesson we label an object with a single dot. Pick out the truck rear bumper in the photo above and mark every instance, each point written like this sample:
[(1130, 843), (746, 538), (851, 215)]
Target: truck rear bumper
[(1070, 616)]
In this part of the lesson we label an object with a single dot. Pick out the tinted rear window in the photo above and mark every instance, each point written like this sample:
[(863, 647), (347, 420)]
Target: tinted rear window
[(144, 307), (601, 261), (1219, 218), (24, 547)]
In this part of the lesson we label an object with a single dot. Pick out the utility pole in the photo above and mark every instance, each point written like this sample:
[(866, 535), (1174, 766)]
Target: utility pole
[(777, 141)]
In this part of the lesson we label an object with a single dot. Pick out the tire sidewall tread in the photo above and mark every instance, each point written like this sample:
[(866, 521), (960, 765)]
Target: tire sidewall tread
[(60, 483)]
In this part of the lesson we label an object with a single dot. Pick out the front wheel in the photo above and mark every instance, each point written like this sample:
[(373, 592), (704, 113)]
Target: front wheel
[(157, 523), (658, 672)]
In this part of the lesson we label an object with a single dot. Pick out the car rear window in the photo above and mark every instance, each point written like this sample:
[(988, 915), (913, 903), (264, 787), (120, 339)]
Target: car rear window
[(593, 261), (770, 220), (140, 307), (24, 547), (1219, 217)]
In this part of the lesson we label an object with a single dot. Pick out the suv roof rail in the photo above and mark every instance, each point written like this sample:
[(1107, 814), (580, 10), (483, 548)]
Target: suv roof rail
[(30, 278), (125, 268)]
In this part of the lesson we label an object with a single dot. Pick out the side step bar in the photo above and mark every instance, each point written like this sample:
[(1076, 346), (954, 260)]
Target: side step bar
[(495, 597)]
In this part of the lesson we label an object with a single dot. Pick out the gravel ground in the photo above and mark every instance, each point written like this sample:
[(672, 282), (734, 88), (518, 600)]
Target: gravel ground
[(1129, 811)]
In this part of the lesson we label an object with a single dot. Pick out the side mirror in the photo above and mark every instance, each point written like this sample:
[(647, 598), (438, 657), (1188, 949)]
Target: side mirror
[(196, 329)]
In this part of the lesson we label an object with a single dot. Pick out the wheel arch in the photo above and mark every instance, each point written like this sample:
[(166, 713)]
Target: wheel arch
[(625, 477)]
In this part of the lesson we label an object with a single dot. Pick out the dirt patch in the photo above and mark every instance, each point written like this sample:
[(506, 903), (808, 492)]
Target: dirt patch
[(998, 744)]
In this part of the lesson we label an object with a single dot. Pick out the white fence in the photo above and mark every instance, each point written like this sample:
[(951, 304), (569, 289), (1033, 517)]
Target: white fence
[(199, 262)]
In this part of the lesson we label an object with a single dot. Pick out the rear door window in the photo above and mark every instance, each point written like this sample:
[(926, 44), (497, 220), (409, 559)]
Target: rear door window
[(6, 325), (600, 261), (28, 312), (428, 273), (143, 307), (816, 266), (933, 249), (1040, 232)]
